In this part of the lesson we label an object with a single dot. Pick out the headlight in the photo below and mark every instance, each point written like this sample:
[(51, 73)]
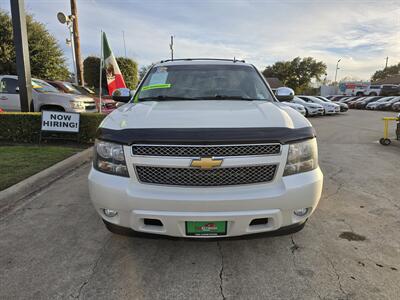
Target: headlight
[(302, 157), (77, 104), (109, 158)]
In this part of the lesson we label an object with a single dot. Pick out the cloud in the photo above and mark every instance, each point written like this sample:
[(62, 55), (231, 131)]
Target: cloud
[(361, 33)]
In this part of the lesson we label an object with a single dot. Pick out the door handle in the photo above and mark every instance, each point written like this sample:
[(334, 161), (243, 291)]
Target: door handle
[(3, 98)]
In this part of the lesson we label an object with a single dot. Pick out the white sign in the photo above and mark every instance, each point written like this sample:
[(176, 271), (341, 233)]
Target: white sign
[(60, 121)]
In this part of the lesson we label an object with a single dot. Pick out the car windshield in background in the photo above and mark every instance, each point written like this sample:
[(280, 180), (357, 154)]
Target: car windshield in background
[(43, 87), (71, 89), (204, 82)]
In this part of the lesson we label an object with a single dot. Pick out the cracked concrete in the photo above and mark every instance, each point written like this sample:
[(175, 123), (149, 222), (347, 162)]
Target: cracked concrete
[(54, 246)]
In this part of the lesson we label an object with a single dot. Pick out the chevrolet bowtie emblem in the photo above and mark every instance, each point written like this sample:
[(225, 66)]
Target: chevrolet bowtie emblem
[(206, 163)]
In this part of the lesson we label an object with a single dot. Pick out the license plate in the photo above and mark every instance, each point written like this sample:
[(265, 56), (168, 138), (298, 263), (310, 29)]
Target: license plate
[(206, 228)]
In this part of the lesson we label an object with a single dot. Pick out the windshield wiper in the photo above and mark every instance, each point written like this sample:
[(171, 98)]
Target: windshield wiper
[(227, 97), (162, 97)]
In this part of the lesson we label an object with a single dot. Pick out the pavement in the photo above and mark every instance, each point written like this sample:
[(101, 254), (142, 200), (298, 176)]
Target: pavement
[(54, 245)]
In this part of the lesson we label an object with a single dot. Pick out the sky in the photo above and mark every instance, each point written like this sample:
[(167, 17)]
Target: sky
[(360, 33)]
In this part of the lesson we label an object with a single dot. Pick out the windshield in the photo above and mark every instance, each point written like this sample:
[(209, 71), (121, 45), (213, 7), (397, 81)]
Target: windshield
[(204, 82), (71, 89), (298, 100), (43, 87)]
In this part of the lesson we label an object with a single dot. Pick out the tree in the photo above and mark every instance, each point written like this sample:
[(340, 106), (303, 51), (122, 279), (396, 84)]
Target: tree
[(129, 70), (143, 70), (46, 57), (386, 72), (128, 67), (297, 73)]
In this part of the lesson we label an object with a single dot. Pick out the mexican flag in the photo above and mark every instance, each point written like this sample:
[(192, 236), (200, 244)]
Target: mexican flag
[(115, 79)]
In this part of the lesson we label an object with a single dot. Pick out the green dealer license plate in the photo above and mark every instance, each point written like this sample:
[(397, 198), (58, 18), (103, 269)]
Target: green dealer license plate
[(206, 228)]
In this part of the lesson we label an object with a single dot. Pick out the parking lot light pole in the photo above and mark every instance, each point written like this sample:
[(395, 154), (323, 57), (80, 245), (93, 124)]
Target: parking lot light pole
[(22, 53), (337, 68)]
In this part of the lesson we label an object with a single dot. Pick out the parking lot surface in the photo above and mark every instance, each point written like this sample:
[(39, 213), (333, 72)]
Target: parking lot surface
[(55, 245)]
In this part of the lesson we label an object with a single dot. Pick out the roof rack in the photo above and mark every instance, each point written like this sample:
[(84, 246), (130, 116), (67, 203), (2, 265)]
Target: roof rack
[(189, 59)]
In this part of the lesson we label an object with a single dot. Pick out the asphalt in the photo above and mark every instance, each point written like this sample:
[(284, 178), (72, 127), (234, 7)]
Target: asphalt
[(54, 245)]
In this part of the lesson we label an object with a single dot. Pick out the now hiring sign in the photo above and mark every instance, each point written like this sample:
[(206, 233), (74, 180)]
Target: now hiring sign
[(60, 121)]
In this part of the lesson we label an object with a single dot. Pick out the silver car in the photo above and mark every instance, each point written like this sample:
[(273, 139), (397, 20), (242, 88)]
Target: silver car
[(312, 109), (44, 97)]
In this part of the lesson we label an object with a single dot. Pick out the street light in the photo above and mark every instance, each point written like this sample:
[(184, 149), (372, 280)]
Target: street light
[(337, 68), (64, 19)]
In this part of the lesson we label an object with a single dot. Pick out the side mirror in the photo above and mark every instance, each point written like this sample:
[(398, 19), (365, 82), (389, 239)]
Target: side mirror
[(122, 95), (17, 89), (284, 94)]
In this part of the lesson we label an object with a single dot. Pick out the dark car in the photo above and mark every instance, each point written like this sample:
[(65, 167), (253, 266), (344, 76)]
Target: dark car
[(361, 104), (108, 105), (390, 90)]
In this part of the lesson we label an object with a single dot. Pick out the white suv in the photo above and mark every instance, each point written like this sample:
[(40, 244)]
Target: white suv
[(204, 149), (44, 97)]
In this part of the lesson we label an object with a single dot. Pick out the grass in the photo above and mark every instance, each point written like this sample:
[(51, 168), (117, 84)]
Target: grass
[(20, 162)]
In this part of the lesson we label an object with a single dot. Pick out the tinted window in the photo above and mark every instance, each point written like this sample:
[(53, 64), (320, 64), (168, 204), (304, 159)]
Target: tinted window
[(8, 86), (204, 82)]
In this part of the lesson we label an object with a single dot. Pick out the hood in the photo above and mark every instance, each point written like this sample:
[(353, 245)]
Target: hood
[(314, 105), (204, 114), (293, 105)]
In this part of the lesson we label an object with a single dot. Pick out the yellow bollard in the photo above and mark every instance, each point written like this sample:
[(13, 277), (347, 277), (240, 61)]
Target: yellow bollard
[(385, 140)]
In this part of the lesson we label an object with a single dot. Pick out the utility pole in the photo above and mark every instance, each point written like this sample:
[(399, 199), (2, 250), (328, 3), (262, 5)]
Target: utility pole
[(387, 59), (22, 53), (77, 43), (171, 46), (123, 37), (337, 68)]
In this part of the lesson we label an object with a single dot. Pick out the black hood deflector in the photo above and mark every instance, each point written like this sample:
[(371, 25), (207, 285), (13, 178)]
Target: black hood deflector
[(206, 136)]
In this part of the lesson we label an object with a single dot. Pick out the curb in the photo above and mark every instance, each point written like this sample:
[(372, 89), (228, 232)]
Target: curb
[(11, 196)]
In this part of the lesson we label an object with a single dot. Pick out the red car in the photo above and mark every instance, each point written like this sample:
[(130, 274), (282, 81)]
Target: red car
[(108, 105), (1, 110)]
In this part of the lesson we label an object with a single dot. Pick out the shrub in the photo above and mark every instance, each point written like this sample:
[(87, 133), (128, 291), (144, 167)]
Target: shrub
[(25, 127)]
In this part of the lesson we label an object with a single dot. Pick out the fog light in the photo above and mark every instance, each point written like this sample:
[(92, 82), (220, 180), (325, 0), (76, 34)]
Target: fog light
[(301, 212), (109, 212)]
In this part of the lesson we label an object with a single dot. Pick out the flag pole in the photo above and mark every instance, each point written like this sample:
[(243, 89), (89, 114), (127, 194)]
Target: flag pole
[(101, 70)]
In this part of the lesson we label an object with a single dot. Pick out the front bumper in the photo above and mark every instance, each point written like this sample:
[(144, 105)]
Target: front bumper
[(173, 206), (315, 111)]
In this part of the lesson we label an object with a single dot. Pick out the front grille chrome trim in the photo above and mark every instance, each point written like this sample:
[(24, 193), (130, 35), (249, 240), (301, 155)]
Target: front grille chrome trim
[(274, 167), (275, 149)]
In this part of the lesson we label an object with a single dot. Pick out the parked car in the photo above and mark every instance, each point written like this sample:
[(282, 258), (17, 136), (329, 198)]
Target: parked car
[(396, 106), (387, 105), (375, 104), (336, 97), (44, 97), (108, 105), (373, 90), (390, 90), (360, 104), (343, 106), (354, 101), (296, 106), (329, 108), (312, 109), (199, 159)]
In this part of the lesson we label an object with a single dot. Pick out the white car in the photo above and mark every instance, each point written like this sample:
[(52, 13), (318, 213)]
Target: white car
[(44, 97), (203, 149), (330, 108), (312, 109), (296, 106)]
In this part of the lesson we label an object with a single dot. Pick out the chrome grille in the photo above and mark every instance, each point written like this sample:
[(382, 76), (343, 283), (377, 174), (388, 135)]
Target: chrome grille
[(206, 151), (201, 177)]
